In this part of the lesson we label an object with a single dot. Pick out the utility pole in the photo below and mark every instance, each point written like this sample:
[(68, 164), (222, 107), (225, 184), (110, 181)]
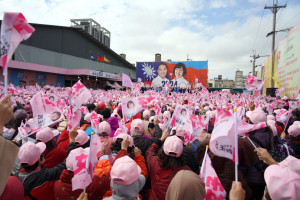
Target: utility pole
[(274, 9), (253, 62)]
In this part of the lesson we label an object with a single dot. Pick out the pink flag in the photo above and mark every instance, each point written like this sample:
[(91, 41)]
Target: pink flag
[(213, 187), (203, 92), (95, 148), (126, 81), (81, 177), (279, 92), (45, 112), (298, 96), (294, 104), (130, 107), (253, 83), (222, 142), (14, 29), (95, 122), (80, 94)]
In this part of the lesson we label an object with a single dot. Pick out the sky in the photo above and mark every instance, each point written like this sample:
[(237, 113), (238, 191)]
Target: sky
[(224, 32)]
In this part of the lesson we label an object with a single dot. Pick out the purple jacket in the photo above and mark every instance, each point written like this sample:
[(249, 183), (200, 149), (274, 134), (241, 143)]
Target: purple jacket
[(114, 125)]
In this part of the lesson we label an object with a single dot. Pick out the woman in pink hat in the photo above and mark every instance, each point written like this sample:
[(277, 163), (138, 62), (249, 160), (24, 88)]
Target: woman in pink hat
[(163, 164)]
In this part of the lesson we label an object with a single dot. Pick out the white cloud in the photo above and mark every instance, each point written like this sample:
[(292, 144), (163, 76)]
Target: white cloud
[(173, 28)]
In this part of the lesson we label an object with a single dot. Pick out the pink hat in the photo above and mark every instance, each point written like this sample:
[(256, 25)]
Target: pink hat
[(151, 119), (294, 129), (178, 131), (125, 171), (104, 127), (87, 117), (271, 124), (123, 135), (146, 114), (30, 153), (82, 137), (173, 146), (46, 134), (257, 116), (285, 98), (167, 114), (71, 157), (283, 180), (206, 108), (137, 125)]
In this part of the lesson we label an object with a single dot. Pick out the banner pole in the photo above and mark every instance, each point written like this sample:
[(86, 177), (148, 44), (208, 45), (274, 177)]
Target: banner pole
[(236, 146), (5, 84), (203, 163)]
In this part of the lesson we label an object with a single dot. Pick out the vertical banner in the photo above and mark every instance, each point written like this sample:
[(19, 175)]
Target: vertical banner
[(178, 74), (288, 64)]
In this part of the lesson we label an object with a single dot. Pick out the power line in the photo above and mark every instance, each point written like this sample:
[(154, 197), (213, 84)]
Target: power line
[(288, 21), (259, 26)]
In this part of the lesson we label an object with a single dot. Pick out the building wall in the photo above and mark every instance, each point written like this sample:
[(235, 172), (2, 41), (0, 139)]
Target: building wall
[(31, 54), (68, 40)]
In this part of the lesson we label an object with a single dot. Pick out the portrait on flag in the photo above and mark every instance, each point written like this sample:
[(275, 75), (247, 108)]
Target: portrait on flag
[(130, 107), (45, 112)]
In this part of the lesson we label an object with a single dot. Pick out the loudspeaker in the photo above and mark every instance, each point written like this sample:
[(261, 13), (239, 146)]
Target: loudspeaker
[(271, 92)]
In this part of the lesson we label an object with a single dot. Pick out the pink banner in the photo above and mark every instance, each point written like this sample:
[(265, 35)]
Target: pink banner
[(126, 81)]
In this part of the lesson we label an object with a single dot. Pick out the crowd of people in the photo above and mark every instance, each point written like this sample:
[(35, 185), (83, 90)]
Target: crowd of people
[(148, 158)]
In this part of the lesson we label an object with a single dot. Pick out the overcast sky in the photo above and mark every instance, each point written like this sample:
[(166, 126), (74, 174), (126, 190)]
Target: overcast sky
[(224, 32)]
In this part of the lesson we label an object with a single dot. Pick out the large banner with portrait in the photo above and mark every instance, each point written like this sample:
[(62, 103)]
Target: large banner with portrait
[(184, 74)]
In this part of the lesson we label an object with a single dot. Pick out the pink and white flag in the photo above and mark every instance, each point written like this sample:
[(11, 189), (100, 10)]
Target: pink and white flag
[(130, 107), (203, 92), (222, 141), (213, 187), (95, 122), (298, 96), (253, 83), (126, 81), (279, 92), (94, 151), (82, 176), (45, 112), (80, 94), (14, 29), (294, 104)]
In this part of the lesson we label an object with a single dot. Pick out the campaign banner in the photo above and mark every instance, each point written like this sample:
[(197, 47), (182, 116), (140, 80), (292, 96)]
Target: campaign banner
[(287, 65), (177, 74)]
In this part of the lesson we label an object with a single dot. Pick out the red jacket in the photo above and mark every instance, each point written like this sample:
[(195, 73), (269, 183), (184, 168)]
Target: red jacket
[(159, 185), (54, 156), (96, 190)]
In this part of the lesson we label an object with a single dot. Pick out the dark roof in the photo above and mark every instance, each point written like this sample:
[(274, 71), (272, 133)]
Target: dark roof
[(90, 37)]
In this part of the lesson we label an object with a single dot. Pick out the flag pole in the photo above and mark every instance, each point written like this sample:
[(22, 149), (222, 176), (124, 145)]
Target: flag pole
[(236, 146), (203, 162), (5, 83)]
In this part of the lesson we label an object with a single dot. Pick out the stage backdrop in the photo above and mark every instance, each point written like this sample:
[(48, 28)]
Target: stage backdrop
[(178, 74)]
